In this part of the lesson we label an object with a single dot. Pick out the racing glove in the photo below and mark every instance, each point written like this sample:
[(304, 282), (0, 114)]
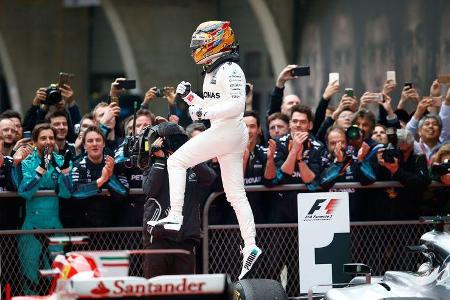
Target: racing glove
[(197, 113), (185, 91)]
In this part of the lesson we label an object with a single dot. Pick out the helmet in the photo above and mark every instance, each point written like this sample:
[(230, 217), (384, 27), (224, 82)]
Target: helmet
[(211, 40)]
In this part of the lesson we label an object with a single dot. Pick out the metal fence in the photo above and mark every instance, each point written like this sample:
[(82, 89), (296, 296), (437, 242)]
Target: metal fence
[(378, 244)]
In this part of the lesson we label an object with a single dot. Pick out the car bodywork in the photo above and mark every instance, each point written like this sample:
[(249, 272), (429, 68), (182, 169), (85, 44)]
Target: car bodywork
[(430, 281), (104, 274)]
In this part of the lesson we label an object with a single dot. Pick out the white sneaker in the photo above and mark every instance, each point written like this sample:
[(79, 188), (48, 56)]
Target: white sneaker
[(171, 222), (251, 254)]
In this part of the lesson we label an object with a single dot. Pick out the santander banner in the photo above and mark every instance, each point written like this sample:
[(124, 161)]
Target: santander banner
[(161, 285), (324, 239)]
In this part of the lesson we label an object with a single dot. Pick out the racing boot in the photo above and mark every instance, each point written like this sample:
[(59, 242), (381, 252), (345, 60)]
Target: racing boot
[(171, 222), (251, 254)]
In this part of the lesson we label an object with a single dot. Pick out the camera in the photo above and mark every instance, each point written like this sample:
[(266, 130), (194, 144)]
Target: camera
[(354, 133), (441, 169), (53, 95), (139, 149), (160, 92), (391, 152)]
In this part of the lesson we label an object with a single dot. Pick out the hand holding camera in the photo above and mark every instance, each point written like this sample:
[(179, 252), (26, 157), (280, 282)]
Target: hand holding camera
[(66, 93), (40, 96), (150, 95), (285, 75), (120, 85), (156, 147), (382, 160)]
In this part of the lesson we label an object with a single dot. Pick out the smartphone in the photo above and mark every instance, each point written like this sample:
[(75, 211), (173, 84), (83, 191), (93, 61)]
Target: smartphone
[(126, 84), (349, 92), (64, 78), (333, 77), (379, 97), (27, 135), (409, 85), (390, 75), (444, 78), (300, 71)]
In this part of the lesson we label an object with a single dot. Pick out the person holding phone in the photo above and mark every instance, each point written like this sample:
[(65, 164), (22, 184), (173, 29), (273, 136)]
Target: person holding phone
[(279, 102), (213, 44)]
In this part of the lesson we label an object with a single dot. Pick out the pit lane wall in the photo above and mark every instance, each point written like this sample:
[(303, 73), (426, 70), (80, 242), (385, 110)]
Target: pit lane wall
[(380, 245)]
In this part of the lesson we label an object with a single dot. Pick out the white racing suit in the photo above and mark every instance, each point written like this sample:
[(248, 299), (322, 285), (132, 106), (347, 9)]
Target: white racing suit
[(223, 103)]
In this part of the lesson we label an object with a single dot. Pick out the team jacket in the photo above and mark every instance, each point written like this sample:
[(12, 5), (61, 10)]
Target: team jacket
[(350, 170), (84, 176), (314, 156), (50, 180), (156, 187), (254, 172)]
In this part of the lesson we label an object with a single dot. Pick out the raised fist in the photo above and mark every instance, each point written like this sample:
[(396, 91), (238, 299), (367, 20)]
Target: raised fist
[(184, 88)]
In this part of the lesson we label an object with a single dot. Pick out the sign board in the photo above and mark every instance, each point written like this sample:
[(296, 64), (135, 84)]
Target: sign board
[(324, 239)]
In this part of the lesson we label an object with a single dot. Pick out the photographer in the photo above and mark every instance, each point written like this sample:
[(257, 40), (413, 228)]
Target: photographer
[(61, 99), (130, 210), (169, 137), (90, 175), (402, 164), (342, 166), (44, 169)]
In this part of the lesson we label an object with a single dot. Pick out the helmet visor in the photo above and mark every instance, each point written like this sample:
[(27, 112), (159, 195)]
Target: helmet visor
[(199, 39)]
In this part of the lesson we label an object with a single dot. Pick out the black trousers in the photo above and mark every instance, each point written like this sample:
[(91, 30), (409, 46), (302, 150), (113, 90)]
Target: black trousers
[(170, 264)]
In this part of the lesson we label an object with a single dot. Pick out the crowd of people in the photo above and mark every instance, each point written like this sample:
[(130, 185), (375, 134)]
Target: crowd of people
[(361, 140), (80, 157)]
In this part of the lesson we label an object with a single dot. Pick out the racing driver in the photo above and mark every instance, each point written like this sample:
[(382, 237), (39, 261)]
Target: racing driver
[(213, 44)]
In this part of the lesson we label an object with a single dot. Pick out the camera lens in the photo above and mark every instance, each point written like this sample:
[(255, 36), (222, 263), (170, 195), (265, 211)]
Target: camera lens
[(53, 95)]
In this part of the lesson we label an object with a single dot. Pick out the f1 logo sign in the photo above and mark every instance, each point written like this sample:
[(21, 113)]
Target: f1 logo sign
[(324, 239), (316, 206), (328, 209)]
